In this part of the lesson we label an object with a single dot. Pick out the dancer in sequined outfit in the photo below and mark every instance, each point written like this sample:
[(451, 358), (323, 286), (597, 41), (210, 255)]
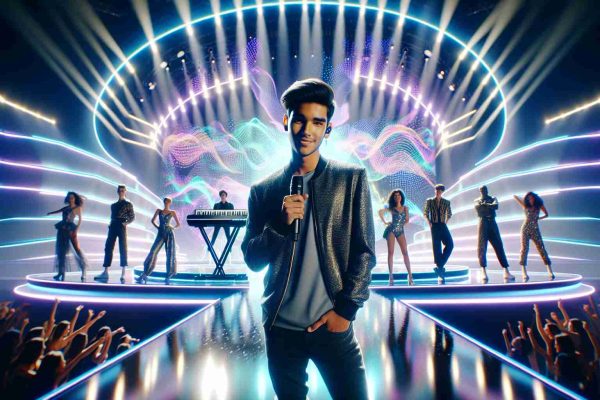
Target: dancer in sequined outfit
[(66, 232), (530, 230), (486, 207), (394, 231), (164, 237)]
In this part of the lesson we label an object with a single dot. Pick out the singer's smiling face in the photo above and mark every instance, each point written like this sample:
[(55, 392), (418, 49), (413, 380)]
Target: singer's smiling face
[(308, 127)]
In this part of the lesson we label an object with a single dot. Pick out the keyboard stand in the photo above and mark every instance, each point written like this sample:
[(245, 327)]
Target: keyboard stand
[(219, 272)]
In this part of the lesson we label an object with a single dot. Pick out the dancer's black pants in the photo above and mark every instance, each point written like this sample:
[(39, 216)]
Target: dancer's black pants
[(116, 230), (441, 235), (488, 231), (336, 355)]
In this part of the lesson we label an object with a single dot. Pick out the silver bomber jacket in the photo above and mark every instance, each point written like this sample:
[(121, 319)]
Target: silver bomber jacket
[(341, 209)]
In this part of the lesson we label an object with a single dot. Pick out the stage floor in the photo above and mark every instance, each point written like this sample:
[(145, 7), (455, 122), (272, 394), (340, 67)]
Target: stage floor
[(466, 288), (219, 353)]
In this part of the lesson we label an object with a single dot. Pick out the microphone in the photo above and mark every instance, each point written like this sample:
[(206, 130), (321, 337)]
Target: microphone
[(297, 187)]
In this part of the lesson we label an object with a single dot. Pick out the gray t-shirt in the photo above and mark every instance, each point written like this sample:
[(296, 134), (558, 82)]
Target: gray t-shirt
[(306, 298)]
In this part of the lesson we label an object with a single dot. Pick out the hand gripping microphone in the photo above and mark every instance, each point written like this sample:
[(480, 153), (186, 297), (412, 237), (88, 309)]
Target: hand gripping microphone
[(297, 187)]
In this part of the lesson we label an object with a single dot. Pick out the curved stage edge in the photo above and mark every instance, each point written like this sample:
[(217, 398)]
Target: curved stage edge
[(463, 288)]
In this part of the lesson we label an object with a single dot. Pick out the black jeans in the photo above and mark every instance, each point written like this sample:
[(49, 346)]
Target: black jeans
[(336, 355), (216, 233), (115, 230), (440, 234), (488, 231)]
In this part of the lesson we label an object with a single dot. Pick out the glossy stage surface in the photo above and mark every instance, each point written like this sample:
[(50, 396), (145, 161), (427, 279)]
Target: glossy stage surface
[(219, 353), (464, 289)]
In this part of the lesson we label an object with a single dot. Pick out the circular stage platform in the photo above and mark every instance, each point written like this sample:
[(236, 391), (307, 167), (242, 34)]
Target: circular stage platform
[(462, 286)]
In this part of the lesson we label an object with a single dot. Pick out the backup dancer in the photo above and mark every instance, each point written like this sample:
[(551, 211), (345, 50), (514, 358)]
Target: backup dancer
[(66, 232), (394, 231), (164, 237), (486, 207), (437, 212), (530, 230), (121, 215)]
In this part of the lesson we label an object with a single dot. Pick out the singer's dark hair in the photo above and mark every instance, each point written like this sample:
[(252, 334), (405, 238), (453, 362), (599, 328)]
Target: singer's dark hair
[(308, 91), (222, 192)]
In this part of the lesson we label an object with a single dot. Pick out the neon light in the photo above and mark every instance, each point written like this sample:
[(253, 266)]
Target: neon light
[(22, 108), (82, 152), (522, 150), (533, 171), (90, 298), (459, 118), (554, 385), (362, 7), (74, 173), (395, 86), (573, 111), (458, 132)]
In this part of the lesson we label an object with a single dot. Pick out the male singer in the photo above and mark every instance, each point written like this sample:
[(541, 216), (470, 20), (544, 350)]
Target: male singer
[(314, 286)]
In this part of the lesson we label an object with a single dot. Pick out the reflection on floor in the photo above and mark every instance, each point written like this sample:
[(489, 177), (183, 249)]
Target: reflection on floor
[(219, 354)]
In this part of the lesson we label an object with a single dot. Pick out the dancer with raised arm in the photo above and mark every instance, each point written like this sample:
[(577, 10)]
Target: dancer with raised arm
[(486, 207), (66, 233), (318, 276), (394, 231), (530, 230), (164, 237)]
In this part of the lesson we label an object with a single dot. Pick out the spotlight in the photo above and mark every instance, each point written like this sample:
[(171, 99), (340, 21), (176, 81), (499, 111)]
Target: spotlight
[(356, 76), (474, 65), (154, 47), (272, 58), (441, 74), (120, 80), (180, 54), (141, 99), (181, 105), (428, 53), (295, 55), (164, 65), (218, 86), (486, 80), (245, 78), (312, 56), (151, 85), (370, 80), (440, 37), (402, 66), (396, 86), (171, 113), (167, 68), (383, 83), (380, 14), (452, 87), (392, 47), (463, 99), (463, 54), (218, 20), (281, 6), (193, 97), (231, 81), (130, 67), (190, 30)]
